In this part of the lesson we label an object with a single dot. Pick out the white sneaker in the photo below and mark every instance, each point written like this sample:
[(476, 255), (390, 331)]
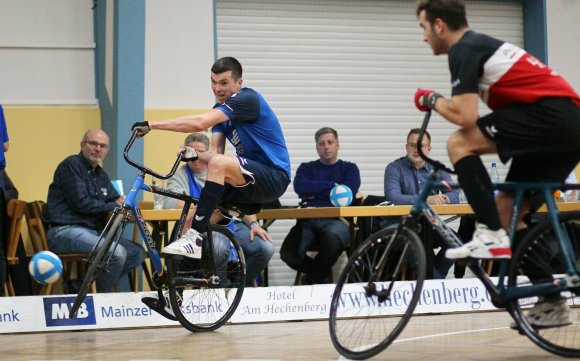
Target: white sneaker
[(486, 244), (552, 313), (189, 245), (152, 301)]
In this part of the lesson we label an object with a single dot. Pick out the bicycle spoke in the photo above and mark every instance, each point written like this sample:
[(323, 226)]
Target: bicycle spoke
[(364, 318), (199, 304), (539, 260)]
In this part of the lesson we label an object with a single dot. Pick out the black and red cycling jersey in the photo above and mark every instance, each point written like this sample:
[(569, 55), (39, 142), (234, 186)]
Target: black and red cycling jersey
[(502, 73)]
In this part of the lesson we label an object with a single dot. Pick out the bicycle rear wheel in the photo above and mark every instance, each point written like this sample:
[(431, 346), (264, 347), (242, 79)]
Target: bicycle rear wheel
[(377, 292), (198, 304), (112, 232), (538, 259)]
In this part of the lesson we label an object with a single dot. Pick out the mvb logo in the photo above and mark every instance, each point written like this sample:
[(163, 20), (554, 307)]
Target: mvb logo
[(56, 311)]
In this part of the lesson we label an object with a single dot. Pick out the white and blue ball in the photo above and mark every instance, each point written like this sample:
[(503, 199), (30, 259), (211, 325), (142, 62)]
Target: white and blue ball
[(45, 267), (340, 196)]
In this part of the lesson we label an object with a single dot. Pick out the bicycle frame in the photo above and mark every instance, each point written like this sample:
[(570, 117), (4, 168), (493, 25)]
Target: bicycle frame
[(500, 293), (131, 205)]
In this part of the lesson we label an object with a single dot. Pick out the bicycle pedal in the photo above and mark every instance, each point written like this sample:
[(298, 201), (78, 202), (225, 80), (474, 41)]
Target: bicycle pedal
[(155, 305)]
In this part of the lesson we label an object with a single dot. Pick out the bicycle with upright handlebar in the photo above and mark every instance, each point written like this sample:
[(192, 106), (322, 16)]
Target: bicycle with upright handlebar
[(203, 294), (385, 274)]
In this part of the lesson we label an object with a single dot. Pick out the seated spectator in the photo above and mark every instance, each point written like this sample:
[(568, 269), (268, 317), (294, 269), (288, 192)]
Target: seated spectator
[(313, 182), (403, 180), (80, 195), (255, 241)]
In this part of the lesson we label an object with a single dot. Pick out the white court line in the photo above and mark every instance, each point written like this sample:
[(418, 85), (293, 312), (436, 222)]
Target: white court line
[(450, 334), (410, 339)]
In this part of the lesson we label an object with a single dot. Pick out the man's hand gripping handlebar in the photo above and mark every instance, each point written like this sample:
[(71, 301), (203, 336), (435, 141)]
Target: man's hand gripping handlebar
[(142, 128)]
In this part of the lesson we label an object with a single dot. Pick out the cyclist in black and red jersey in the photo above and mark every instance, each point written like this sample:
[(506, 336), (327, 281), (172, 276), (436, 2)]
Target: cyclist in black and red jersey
[(535, 121)]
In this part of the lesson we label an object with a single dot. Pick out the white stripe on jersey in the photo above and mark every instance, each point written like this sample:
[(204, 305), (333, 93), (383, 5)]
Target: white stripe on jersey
[(246, 173), (497, 66)]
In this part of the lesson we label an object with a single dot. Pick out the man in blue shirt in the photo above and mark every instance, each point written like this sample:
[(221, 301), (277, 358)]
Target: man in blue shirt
[(254, 240), (313, 182), (403, 181), (260, 170)]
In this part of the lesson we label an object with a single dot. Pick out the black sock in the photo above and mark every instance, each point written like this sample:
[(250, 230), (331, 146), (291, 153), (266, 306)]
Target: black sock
[(477, 186), (210, 196)]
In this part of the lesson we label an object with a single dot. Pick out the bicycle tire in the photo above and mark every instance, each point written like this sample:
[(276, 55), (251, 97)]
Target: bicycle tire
[(363, 329), (202, 308), (111, 233), (536, 255)]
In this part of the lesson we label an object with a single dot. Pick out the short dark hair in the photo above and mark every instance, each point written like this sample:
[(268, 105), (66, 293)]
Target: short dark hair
[(197, 138), (417, 131), (325, 130), (452, 12), (228, 63)]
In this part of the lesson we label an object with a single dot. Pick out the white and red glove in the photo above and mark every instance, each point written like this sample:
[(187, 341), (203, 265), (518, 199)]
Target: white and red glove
[(425, 99)]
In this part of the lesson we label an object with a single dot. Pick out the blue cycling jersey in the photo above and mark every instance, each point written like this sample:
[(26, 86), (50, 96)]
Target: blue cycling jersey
[(253, 129)]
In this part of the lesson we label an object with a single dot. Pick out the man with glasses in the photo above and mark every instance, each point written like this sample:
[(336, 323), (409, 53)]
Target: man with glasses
[(80, 195), (403, 180)]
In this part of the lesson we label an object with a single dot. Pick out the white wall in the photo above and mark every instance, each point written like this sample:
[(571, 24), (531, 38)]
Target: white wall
[(179, 52), (563, 30), (47, 52)]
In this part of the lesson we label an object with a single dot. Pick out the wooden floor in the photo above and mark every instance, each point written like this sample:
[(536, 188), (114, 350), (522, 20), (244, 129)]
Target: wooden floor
[(471, 336)]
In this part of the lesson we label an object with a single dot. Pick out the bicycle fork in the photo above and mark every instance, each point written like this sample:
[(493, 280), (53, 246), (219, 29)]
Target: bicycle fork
[(104, 266), (377, 272)]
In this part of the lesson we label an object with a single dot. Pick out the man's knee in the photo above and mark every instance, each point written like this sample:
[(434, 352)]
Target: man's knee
[(217, 161), (266, 249)]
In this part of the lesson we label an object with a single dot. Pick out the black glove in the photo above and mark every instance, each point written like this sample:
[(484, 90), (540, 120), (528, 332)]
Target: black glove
[(189, 154), (142, 128)]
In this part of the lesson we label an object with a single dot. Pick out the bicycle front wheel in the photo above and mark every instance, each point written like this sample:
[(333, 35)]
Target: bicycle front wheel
[(202, 296), (377, 292), (538, 259), (112, 232)]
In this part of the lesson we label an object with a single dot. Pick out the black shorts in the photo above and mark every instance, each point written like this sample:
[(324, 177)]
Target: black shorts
[(543, 138), (264, 184)]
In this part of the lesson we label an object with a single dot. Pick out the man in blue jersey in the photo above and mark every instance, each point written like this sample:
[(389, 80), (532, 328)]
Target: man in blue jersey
[(260, 170), (254, 240), (313, 182)]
